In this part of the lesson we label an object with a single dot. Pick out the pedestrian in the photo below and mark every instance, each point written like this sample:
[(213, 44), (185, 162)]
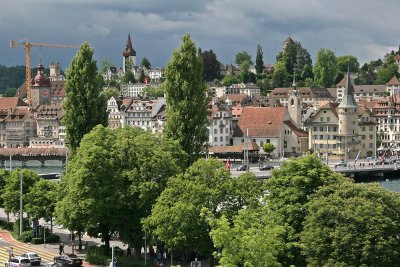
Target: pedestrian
[(11, 252), (61, 248)]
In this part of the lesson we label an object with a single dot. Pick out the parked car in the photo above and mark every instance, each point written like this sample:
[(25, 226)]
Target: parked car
[(33, 258), (342, 163), (69, 259), (17, 262), (242, 167), (266, 166)]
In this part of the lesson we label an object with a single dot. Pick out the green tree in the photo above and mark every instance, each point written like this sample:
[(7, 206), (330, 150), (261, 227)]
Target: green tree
[(41, 200), (251, 239), (280, 75), (105, 66), (268, 148), (128, 77), (10, 92), (84, 107), (142, 76), (290, 189), (343, 62), (4, 174), (122, 171), (230, 79), (186, 100), (259, 60), (387, 71), (211, 66), (154, 91), (176, 219), (145, 63), (11, 192), (243, 56), (352, 225), (325, 68)]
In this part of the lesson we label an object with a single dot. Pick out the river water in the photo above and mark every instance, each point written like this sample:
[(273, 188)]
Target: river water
[(55, 166)]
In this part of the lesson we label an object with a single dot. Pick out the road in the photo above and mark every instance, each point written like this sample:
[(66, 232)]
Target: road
[(23, 248)]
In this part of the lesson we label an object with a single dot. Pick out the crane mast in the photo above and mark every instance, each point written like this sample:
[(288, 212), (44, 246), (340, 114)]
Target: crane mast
[(27, 45)]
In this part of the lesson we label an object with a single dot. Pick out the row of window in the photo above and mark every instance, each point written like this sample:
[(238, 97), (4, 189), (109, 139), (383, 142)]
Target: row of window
[(221, 139), (221, 130)]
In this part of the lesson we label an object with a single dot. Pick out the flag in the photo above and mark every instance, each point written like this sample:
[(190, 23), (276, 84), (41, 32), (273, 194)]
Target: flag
[(228, 164)]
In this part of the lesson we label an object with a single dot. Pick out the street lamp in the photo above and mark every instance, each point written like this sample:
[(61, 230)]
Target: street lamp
[(44, 234), (20, 204)]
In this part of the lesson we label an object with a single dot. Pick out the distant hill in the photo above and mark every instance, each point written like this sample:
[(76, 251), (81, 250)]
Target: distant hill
[(14, 77)]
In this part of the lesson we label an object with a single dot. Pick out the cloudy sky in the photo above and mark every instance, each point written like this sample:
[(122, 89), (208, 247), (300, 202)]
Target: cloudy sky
[(366, 29)]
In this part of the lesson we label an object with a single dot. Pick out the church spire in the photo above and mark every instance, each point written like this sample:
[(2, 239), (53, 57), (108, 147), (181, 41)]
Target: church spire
[(348, 100)]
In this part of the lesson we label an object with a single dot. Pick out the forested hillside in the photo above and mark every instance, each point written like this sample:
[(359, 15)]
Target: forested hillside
[(14, 77), (11, 77)]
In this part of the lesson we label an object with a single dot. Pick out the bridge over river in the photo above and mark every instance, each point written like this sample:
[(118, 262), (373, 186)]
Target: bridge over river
[(357, 171), (25, 154)]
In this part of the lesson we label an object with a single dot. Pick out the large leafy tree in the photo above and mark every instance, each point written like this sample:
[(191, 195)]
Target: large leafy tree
[(325, 68), (84, 106), (347, 62), (243, 56), (290, 189), (387, 71), (250, 239), (280, 75), (41, 199), (259, 60), (352, 225), (4, 174), (186, 100), (145, 63), (11, 191), (211, 66), (176, 219), (113, 181)]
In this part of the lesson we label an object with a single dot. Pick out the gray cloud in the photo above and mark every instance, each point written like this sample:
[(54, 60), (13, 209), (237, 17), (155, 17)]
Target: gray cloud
[(366, 29)]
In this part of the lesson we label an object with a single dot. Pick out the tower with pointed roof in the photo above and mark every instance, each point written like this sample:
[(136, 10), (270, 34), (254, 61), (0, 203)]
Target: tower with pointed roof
[(129, 55), (348, 122), (294, 104), (40, 88)]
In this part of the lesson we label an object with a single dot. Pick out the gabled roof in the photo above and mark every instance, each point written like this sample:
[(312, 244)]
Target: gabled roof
[(295, 130), (393, 81), (260, 121), (11, 102)]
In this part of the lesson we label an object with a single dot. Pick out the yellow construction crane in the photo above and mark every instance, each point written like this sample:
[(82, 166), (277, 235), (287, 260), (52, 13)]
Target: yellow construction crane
[(27, 45)]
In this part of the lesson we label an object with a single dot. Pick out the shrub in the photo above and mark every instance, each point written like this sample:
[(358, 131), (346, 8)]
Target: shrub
[(37, 240), (6, 225), (26, 236), (95, 255)]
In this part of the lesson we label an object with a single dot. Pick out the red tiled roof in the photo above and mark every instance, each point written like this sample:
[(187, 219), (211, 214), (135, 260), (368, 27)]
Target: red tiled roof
[(397, 58), (11, 102), (252, 146), (297, 131), (260, 121), (393, 81)]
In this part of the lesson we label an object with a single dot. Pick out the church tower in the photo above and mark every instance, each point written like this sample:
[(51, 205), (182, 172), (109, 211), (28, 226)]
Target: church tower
[(40, 89), (348, 122), (294, 104), (129, 56)]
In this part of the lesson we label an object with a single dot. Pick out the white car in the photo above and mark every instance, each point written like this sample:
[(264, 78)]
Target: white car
[(33, 258), (17, 262)]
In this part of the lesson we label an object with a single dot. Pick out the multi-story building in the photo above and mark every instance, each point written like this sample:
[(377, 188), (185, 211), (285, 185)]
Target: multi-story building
[(308, 95), (343, 130), (48, 123), (147, 114), (133, 89), (220, 127), (155, 75)]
